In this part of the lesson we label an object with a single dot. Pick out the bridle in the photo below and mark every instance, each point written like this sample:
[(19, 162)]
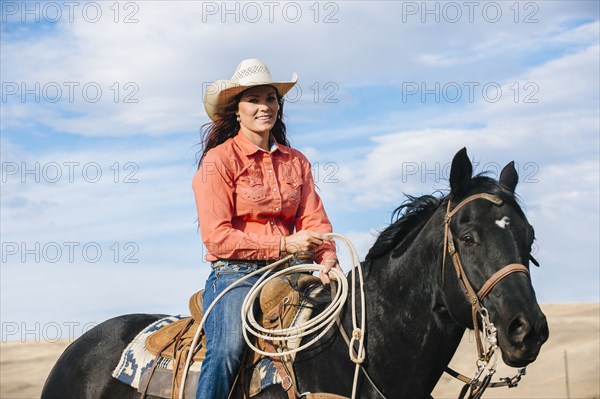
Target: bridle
[(477, 310)]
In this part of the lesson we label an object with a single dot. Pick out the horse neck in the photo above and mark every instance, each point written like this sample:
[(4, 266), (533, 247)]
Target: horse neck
[(407, 323), (415, 274)]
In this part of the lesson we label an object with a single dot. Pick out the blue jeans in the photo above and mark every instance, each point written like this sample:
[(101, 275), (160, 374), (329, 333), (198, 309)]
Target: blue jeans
[(223, 327)]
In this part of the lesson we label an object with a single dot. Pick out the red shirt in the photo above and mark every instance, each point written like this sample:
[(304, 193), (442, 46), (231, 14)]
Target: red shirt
[(248, 198)]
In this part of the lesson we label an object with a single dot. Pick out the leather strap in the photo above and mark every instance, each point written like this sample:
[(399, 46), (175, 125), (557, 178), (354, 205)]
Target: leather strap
[(505, 382), (285, 373), (490, 197), (499, 275)]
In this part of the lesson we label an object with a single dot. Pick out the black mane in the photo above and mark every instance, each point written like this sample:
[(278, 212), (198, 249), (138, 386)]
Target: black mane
[(407, 220), (410, 217)]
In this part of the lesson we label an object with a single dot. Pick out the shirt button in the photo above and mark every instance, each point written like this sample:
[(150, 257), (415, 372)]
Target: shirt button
[(271, 222), (277, 209), (270, 171), (274, 189)]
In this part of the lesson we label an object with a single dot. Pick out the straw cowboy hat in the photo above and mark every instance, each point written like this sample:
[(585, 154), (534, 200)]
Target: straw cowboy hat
[(249, 73)]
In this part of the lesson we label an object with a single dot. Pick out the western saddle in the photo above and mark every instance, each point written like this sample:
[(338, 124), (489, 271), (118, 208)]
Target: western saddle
[(279, 305)]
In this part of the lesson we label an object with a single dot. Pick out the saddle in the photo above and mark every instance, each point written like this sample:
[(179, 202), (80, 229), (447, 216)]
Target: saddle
[(174, 341), (279, 306)]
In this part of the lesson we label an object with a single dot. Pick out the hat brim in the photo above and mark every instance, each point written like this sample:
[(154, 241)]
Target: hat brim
[(220, 92)]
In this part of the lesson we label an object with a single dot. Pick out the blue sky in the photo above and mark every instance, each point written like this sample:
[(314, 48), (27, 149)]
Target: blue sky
[(102, 109)]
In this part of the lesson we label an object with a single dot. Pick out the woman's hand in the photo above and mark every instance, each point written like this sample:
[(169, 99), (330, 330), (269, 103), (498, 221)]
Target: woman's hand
[(304, 240), (307, 240), (329, 264)]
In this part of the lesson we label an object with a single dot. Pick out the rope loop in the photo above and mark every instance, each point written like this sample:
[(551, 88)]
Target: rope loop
[(322, 322)]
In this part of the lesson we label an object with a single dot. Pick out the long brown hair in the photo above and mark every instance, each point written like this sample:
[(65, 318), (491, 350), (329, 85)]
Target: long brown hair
[(226, 126)]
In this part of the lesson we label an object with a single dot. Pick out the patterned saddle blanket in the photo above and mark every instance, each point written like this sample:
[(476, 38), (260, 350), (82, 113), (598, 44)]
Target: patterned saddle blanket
[(167, 341)]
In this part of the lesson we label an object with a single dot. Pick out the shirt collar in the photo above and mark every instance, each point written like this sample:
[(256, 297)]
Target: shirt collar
[(249, 148)]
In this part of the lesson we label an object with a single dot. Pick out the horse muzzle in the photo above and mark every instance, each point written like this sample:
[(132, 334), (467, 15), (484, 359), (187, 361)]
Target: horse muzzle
[(523, 338)]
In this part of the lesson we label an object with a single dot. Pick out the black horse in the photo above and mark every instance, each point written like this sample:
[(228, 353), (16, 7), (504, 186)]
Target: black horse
[(416, 308)]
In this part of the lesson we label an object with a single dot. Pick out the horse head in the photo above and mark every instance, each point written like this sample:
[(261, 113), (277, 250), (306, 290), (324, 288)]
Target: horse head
[(486, 232)]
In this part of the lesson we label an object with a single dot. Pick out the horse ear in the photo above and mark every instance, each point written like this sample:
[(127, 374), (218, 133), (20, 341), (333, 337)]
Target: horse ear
[(460, 173), (509, 176)]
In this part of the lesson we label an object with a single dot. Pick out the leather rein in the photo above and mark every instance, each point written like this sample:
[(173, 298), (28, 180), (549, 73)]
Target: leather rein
[(476, 386)]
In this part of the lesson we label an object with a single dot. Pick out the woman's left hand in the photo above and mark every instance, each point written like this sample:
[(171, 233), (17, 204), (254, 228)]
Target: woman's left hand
[(329, 264)]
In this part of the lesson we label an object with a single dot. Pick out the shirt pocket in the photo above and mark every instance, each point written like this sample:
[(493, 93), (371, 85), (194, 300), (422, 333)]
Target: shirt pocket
[(293, 187), (251, 188)]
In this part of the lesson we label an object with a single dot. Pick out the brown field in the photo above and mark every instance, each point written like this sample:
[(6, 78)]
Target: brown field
[(568, 366)]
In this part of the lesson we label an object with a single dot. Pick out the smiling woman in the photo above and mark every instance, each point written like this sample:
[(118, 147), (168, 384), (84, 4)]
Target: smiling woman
[(252, 192)]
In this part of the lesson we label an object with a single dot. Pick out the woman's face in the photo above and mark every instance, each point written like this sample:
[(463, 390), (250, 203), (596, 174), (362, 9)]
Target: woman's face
[(258, 108)]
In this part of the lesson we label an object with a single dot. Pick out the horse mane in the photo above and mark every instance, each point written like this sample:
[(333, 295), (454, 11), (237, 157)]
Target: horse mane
[(409, 218)]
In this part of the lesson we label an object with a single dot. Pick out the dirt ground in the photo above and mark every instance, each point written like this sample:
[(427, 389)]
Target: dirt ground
[(568, 366)]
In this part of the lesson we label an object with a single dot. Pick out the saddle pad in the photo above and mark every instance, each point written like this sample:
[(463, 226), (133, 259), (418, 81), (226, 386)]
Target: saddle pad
[(263, 376), (136, 359)]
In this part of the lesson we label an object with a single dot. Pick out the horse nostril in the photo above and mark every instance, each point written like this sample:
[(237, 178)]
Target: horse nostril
[(542, 327), (518, 329)]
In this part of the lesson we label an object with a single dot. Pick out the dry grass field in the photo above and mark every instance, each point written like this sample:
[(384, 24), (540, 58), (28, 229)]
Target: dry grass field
[(567, 368)]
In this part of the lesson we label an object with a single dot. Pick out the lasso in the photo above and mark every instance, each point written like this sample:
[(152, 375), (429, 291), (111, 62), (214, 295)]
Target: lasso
[(324, 321)]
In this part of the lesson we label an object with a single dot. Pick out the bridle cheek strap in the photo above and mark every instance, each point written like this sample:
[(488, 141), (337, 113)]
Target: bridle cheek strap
[(448, 241)]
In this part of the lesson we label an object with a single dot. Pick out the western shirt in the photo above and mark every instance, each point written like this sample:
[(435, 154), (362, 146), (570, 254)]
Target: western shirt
[(247, 198)]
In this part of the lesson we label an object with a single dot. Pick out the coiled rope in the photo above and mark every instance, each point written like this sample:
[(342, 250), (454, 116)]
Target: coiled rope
[(324, 321)]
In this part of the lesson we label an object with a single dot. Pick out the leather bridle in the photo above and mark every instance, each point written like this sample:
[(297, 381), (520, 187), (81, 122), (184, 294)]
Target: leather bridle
[(475, 299)]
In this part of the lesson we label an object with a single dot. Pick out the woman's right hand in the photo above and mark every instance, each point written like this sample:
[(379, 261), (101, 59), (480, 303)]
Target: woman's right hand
[(304, 240)]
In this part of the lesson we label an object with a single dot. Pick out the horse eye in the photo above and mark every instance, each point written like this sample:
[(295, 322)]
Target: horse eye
[(467, 239)]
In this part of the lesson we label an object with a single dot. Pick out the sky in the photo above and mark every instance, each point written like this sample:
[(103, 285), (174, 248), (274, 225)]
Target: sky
[(101, 117)]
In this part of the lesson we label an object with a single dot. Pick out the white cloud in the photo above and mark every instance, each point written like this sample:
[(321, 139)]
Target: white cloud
[(164, 59)]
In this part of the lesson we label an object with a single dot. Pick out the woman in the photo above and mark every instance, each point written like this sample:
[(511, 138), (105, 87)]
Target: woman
[(252, 192)]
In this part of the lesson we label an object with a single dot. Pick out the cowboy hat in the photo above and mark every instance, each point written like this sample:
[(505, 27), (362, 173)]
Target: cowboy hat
[(249, 73)]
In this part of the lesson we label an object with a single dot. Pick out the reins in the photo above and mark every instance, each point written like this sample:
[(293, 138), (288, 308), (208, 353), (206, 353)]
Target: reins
[(474, 385)]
